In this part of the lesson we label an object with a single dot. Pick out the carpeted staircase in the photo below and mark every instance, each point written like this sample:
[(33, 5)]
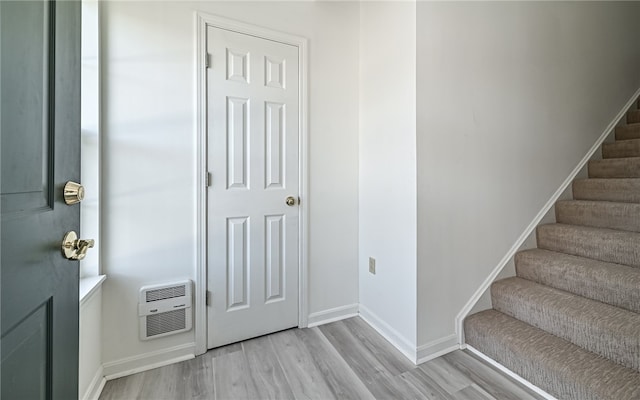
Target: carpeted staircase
[(569, 322)]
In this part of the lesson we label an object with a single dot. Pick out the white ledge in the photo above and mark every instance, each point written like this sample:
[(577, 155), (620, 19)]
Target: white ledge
[(89, 285)]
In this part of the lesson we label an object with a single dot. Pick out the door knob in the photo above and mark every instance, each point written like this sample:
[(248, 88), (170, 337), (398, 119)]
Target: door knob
[(74, 248), (290, 201), (73, 193)]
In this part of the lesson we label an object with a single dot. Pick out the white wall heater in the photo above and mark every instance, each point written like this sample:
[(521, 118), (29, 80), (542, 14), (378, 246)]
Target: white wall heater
[(165, 309)]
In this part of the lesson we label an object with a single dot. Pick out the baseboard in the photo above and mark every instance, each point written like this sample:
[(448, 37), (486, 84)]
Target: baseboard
[(437, 348), (147, 361), (95, 387), (510, 373), (422, 354), (332, 315), (394, 337), (545, 209)]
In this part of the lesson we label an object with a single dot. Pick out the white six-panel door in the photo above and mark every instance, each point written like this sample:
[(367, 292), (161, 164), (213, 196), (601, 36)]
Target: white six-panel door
[(252, 155)]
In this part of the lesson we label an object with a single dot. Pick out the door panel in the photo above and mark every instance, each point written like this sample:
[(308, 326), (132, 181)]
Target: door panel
[(237, 263), (40, 142), (24, 374), (252, 93), (237, 149), (274, 249), (25, 106), (274, 145)]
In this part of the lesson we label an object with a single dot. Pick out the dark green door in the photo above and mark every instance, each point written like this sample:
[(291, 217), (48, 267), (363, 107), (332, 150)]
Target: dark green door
[(40, 151)]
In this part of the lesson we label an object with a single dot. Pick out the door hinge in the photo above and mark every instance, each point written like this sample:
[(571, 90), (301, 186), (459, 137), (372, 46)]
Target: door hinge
[(208, 298), (208, 180), (207, 60)]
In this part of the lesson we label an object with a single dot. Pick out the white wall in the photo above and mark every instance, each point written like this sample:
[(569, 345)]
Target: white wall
[(149, 153), (511, 95), (387, 179)]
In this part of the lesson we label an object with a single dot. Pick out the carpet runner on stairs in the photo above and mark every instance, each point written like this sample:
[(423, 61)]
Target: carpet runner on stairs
[(569, 321), (615, 168), (625, 190), (628, 132)]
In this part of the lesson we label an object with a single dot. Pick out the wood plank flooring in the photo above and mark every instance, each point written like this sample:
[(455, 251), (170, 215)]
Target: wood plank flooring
[(343, 360)]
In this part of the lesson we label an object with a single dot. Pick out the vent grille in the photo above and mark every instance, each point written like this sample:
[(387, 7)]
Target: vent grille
[(165, 293), (164, 309), (158, 324)]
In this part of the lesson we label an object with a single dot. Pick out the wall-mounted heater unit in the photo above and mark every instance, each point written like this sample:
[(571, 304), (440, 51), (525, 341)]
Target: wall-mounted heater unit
[(165, 309)]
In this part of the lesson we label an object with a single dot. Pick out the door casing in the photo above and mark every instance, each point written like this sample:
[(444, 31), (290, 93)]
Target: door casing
[(202, 22)]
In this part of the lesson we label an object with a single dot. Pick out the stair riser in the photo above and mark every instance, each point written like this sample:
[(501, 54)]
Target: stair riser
[(633, 117), (557, 313), (628, 132), (620, 190), (621, 149), (615, 168), (612, 284), (609, 246), (622, 216)]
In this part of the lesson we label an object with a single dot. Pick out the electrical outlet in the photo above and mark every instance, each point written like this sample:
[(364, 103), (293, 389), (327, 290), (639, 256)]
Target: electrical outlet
[(372, 265)]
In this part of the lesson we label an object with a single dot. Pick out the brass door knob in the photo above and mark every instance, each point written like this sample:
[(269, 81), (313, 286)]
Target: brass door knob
[(73, 193), (290, 201), (74, 248)]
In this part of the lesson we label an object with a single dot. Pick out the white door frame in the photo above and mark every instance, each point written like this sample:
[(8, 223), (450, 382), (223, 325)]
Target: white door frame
[(202, 22)]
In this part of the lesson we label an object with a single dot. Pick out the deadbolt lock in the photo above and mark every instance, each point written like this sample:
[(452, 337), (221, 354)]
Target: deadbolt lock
[(74, 248), (73, 193)]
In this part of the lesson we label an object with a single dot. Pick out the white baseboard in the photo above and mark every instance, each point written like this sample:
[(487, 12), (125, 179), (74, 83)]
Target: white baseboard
[(147, 361), (510, 373), (437, 348), (422, 354), (332, 315), (402, 344), (545, 209), (95, 387)]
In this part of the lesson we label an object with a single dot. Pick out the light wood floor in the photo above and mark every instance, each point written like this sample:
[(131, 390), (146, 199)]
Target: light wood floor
[(342, 360)]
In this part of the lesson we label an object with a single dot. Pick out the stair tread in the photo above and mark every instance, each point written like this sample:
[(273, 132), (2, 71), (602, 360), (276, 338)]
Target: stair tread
[(597, 203), (633, 116), (629, 131), (549, 362), (609, 331), (591, 229), (609, 283), (612, 189), (627, 142), (625, 167), (621, 149), (609, 245), (603, 214)]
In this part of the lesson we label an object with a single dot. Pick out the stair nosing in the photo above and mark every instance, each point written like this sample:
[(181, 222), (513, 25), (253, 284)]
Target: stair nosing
[(584, 227)]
